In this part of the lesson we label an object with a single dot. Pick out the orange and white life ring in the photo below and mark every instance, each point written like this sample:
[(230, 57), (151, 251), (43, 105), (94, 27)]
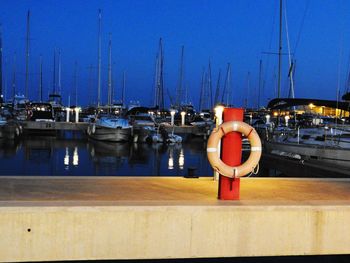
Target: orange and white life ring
[(255, 149)]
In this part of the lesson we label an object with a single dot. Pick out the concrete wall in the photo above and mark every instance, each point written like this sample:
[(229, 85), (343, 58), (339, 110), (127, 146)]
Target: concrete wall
[(42, 233)]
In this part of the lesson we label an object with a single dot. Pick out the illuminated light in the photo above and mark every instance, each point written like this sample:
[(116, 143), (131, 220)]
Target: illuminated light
[(181, 159), (171, 163), (75, 157), (286, 118), (172, 113), (66, 157), (311, 105), (219, 110), (275, 114), (183, 114)]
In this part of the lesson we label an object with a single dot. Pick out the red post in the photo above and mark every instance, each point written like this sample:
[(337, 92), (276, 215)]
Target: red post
[(231, 154)]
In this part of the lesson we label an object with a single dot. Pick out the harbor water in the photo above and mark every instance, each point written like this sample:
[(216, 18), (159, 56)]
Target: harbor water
[(73, 155)]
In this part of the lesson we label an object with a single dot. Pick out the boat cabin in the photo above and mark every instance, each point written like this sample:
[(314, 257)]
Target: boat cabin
[(40, 111)]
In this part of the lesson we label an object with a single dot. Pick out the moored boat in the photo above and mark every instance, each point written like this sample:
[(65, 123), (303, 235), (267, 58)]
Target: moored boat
[(110, 128)]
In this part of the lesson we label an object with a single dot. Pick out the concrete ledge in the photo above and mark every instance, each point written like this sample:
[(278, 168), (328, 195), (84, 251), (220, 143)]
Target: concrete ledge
[(149, 218)]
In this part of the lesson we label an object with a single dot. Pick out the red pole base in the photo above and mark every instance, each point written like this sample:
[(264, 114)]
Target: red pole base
[(231, 154)]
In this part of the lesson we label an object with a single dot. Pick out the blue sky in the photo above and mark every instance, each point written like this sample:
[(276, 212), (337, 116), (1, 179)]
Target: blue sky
[(231, 31)]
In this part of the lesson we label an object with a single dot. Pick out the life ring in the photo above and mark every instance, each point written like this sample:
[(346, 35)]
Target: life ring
[(255, 149)]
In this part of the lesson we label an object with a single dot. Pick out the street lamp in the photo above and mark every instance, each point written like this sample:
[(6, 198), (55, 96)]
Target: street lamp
[(218, 114), (172, 113), (183, 114)]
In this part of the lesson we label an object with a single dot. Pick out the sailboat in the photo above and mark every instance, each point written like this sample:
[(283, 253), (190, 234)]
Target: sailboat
[(108, 126), (310, 138)]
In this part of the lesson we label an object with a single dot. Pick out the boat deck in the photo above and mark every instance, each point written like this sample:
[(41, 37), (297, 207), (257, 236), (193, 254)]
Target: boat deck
[(70, 218)]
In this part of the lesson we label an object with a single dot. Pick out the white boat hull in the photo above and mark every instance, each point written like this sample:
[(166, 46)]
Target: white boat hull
[(336, 156), (109, 134)]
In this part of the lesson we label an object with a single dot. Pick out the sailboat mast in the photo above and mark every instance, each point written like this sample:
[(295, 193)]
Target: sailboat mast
[(159, 96), (54, 72), (59, 72), (217, 91), (259, 86), (155, 99), (226, 92), (123, 89), (202, 93), (179, 95), (14, 76), (161, 83), (279, 54), (76, 82), (99, 61), (41, 79), (90, 86), (210, 87), (110, 71), (27, 55)]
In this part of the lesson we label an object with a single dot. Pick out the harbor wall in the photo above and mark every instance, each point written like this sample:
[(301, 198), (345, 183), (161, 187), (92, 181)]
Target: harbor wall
[(130, 230)]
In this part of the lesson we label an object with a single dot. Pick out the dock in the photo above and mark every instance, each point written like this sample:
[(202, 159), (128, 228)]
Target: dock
[(54, 126), (90, 218), (49, 126), (203, 131)]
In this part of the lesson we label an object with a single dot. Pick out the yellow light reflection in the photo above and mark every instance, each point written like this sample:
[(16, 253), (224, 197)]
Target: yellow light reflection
[(171, 163), (181, 159), (66, 157), (75, 157)]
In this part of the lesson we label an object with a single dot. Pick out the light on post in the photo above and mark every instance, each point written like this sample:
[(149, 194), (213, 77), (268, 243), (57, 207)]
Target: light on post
[(183, 114), (172, 113), (77, 114), (218, 114), (286, 118), (67, 114)]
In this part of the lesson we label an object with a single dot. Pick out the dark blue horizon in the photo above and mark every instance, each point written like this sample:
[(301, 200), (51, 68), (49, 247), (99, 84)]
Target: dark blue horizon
[(236, 32)]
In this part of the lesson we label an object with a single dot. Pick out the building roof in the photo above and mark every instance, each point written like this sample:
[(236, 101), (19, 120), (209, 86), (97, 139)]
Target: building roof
[(284, 103)]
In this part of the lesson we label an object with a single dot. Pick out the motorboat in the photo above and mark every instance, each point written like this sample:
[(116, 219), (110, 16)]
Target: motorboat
[(162, 136), (320, 145), (110, 128)]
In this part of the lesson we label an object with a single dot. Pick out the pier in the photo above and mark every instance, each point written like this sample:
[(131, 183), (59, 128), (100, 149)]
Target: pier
[(48, 126), (56, 126), (189, 130), (90, 218)]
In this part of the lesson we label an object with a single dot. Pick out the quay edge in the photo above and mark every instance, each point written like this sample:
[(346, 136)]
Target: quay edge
[(42, 219)]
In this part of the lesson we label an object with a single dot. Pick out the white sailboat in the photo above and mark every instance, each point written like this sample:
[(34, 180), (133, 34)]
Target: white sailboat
[(110, 127)]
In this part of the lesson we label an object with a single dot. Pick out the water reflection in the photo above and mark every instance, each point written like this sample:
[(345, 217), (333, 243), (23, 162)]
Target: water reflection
[(78, 157), (181, 159)]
